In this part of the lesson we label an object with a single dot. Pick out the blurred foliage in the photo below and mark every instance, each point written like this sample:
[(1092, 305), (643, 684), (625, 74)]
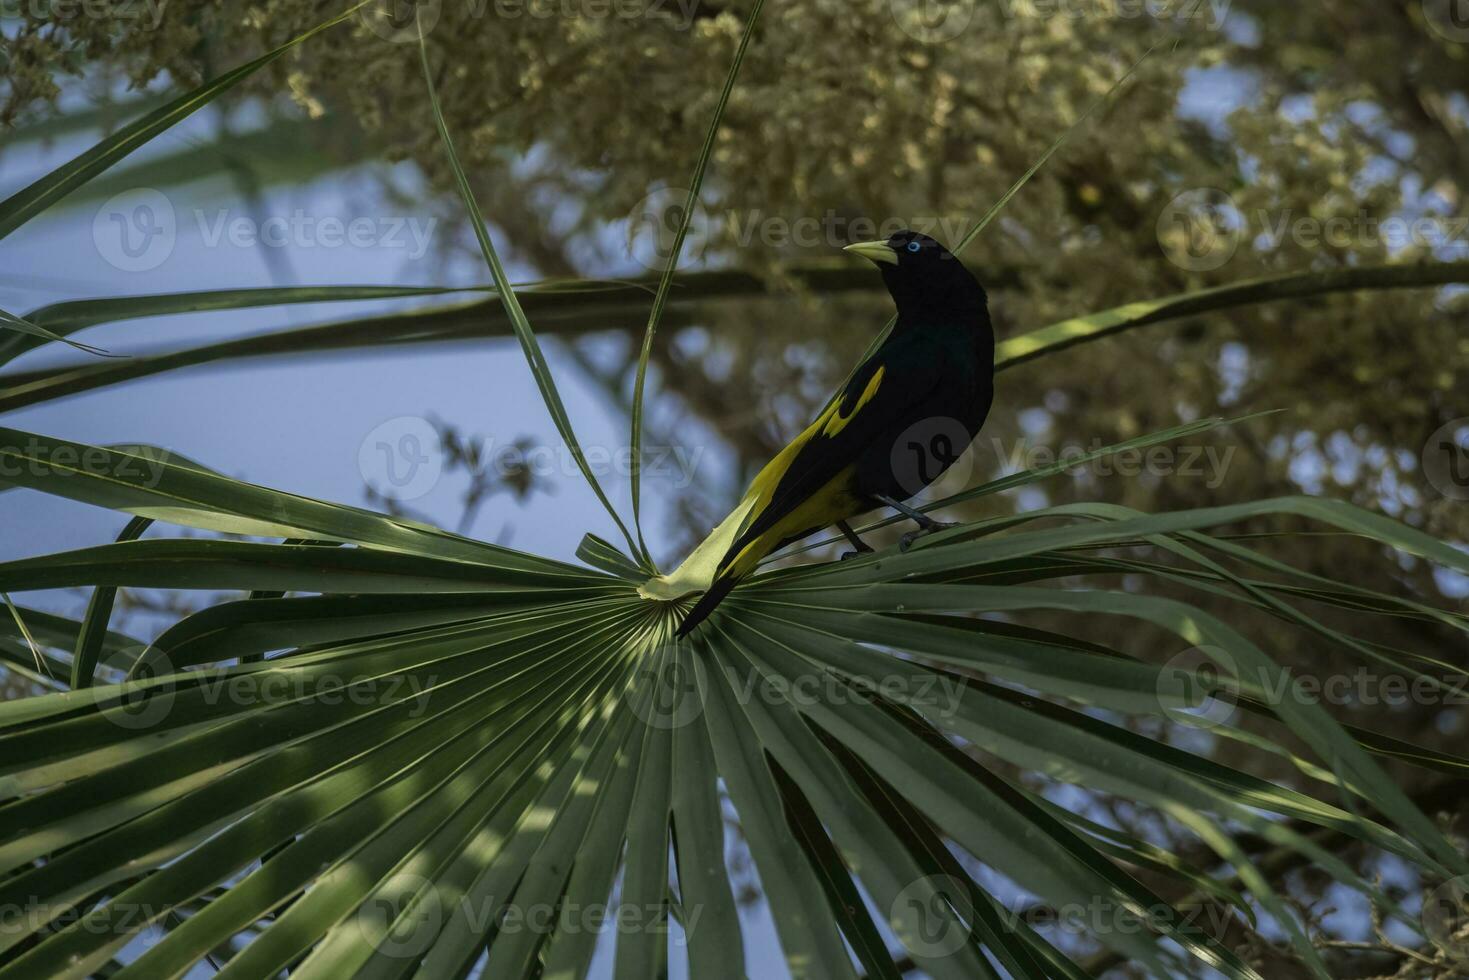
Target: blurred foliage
[(1287, 120), (580, 109)]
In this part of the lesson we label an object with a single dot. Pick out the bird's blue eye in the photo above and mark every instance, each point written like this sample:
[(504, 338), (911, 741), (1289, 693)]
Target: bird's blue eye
[(914, 246)]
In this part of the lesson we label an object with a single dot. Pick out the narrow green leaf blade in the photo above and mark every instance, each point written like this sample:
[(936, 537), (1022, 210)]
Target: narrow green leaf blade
[(540, 370), (691, 201), (99, 613), (25, 204)]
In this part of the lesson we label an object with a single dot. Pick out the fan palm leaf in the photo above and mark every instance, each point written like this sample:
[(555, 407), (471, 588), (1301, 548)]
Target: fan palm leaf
[(412, 753)]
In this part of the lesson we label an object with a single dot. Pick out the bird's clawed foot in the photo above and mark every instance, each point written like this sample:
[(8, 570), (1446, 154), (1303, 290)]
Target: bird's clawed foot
[(859, 546), (932, 527)]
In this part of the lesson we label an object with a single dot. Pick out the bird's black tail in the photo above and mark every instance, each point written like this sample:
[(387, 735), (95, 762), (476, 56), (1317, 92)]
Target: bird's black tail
[(706, 604)]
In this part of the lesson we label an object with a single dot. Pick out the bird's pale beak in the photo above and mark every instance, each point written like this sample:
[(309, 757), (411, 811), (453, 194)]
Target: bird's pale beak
[(878, 252)]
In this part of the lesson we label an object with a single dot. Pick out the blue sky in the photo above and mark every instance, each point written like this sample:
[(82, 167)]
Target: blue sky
[(296, 424), (299, 424)]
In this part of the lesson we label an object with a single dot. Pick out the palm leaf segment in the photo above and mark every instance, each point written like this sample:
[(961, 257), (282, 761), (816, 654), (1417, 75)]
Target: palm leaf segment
[(457, 755), (410, 753)]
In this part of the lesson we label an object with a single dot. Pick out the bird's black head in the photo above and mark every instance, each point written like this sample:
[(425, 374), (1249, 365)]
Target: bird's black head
[(926, 280)]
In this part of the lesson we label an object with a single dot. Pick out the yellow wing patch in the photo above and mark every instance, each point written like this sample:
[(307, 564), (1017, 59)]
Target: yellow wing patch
[(833, 502), (762, 488), (836, 421)]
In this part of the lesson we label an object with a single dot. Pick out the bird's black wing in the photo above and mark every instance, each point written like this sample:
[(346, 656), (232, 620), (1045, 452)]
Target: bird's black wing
[(889, 387)]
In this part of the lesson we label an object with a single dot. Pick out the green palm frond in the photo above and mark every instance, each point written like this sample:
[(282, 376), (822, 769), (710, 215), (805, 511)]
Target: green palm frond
[(41, 194), (412, 753), (578, 307), (460, 734)]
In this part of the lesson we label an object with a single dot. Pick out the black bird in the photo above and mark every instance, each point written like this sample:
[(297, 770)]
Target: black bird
[(904, 417)]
